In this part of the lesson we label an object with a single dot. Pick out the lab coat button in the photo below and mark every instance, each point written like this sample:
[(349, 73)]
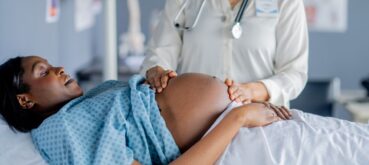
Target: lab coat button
[(224, 18)]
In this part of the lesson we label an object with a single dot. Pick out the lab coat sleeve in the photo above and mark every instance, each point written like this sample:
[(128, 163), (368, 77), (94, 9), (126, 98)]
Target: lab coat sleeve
[(166, 42), (291, 59)]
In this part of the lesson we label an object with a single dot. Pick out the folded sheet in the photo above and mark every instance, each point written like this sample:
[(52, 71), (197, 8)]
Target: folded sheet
[(307, 139)]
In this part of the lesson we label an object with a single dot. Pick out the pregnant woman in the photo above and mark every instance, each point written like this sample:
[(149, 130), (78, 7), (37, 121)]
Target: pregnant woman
[(118, 123)]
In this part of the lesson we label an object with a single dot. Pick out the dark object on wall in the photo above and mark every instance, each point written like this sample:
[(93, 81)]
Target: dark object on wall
[(318, 97), (365, 84)]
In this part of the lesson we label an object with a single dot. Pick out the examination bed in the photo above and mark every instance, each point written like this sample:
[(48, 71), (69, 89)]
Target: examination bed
[(306, 139)]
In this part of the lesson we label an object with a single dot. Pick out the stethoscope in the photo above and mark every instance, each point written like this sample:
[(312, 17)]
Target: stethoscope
[(236, 28)]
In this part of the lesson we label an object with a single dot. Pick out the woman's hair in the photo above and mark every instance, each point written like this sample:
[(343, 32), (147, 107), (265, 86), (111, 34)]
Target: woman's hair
[(11, 84)]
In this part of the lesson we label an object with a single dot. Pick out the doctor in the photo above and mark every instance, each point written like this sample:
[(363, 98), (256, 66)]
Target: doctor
[(259, 47)]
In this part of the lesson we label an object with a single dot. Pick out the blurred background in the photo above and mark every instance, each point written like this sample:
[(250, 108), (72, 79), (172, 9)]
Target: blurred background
[(73, 34)]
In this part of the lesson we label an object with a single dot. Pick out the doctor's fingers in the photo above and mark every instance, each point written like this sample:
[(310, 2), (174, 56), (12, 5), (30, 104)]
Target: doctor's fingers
[(151, 82), (157, 85), (168, 74), (241, 98), (233, 91), (232, 94), (172, 73), (154, 80), (228, 82), (164, 79)]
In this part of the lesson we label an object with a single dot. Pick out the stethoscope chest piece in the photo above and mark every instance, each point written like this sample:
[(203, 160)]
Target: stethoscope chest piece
[(237, 30)]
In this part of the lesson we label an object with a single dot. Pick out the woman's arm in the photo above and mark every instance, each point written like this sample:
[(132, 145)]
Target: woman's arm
[(135, 162), (208, 149)]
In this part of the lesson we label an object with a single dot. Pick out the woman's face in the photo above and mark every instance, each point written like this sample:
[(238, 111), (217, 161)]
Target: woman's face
[(50, 87)]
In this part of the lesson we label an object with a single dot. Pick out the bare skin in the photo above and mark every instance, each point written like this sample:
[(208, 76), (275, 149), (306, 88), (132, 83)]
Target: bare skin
[(192, 102), (233, 3), (189, 106)]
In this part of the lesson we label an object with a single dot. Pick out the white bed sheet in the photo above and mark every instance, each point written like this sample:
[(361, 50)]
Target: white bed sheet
[(306, 139), (17, 148)]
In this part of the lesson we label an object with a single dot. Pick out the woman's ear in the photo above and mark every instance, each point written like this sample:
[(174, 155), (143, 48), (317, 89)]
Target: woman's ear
[(25, 101)]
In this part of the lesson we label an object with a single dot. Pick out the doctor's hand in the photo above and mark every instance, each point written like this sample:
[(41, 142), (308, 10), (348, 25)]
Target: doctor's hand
[(240, 93), (158, 78)]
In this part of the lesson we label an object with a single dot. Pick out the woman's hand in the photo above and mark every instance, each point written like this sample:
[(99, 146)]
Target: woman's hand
[(259, 114), (281, 111), (239, 93), (158, 78)]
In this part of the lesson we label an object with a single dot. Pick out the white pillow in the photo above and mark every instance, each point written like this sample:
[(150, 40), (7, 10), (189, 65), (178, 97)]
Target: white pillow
[(17, 148)]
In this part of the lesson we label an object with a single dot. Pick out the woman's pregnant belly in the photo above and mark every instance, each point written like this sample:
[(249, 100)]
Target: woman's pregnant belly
[(190, 104)]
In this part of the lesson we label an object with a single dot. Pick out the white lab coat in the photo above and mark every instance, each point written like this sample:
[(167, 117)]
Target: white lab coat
[(272, 50)]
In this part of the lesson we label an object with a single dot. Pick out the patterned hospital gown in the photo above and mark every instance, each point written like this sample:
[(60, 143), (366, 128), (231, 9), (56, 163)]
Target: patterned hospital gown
[(115, 123)]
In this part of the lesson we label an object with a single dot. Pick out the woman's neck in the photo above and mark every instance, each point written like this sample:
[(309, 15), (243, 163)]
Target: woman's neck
[(45, 112), (233, 3)]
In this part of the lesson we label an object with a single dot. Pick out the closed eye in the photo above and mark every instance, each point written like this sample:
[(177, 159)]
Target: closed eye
[(45, 69), (44, 73)]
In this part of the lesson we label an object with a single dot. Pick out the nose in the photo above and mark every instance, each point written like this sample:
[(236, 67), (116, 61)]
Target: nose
[(59, 70)]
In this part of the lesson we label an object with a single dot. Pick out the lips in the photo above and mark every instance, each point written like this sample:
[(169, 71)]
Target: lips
[(68, 80)]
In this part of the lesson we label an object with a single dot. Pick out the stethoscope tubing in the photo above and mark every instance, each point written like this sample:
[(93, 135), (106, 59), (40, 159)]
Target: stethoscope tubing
[(177, 25), (194, 24), (241, 11)]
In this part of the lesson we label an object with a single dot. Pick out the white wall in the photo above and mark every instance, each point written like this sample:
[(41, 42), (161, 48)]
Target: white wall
[(23, 31)]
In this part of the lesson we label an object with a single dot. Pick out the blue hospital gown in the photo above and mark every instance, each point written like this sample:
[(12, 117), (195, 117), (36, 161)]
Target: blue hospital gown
[(115, 123)]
